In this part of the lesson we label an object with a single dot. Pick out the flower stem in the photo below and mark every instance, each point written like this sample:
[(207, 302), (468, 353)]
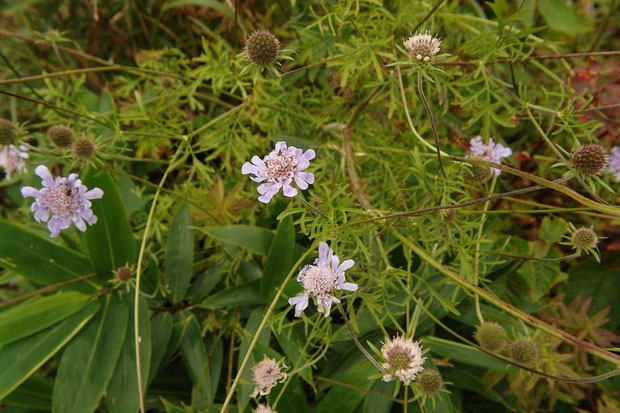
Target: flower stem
[(477, 255), (309, 205), (260, 328), (432, 120), (356, 341)]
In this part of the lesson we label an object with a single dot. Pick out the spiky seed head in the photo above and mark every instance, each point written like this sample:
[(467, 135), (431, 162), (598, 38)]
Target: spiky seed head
[(83, 148), (430, 382), (166, 82), (124, 273), (590, 159), (524, 351), (584, 238), (262, 47), (8, 132), (60, 136), (477, 173), (490, 336)]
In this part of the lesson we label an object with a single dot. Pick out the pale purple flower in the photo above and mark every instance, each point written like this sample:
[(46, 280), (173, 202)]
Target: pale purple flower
[(491, 152), (266, 375), (279, 168), (66, 200), (261, 408), (319, 279), (13, 158), (422, 46), (613, 161), (403, 359)]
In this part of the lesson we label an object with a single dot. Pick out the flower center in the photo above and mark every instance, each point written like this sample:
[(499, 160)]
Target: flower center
[(61, 201), (318, 280), (280, 167), (399, 358)]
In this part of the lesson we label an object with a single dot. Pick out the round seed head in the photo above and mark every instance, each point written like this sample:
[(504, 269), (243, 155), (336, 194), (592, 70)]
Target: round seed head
[(83, 148), (584, 238), (477, 173), (60, 136), (262, 47), (490, 336), (590, 159), (430, 382), (524, 351), (166, 82), (124, 273), (8, 132)]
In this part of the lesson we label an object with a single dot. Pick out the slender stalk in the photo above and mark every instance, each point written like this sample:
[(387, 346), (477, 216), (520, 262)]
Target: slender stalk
[(321, 62), (543, 57), (490, 297), (309, 205), (136, 314), (260, 328), (432, 119), (568, 257), (483, 219), (428, 15), (46, 289), (356, 341), (360, 389)]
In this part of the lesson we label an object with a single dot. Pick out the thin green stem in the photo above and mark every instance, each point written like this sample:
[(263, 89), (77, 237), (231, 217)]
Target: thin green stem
[(522, 257), (260, 328), (356, 341), (483, 219), (136, 314), (309, 205), (431, 118)]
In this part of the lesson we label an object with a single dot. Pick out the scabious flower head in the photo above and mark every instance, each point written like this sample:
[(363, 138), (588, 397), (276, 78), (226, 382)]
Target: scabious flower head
[(613, 161), (262, 47), (490, 336), (320, 279), (13, 158), (422, 46), (403, 359), (430, 382), (477, 173), (267, 374), (590, 159), (8, 132), (524, 351), (65, 200), (124, 273), (584, 239), (261, 408), (491, 152), (60, 135), (83, 148), (279, 168)]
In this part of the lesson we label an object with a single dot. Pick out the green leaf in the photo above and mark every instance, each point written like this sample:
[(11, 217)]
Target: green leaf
[(248, 294), (40, 260), (279, 259), (22, 358), (123, 393), (255, 239), (196, 361), (34, 394), (293, 399), (88, 362), (179, 254), (26, 319), (563, 17), (110, 241), (161, 329), (552, 229), (342, 399), (377, 404), (463, 353), (204, 283)]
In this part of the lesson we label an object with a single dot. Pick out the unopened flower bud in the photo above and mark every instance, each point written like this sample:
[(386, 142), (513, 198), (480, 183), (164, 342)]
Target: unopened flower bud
[(430, 382), (8, 132), (590, 159), (490, 336), (584, 238), (524, 351), (83, 148), (262, 47), (60, 136)]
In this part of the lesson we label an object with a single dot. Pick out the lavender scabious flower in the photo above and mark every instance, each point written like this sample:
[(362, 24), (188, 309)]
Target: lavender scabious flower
[(13, 158), (403, 359), (319, 279), (266, 375), (279, 168), (491, 152), (422, 46), (261, 408), (66, 200), (613, 161)]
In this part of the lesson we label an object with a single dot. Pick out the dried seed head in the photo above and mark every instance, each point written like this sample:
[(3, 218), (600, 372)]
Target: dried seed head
[(266, 375), (124, 273), (590, 159), (524, 351), (166, 82), (477, 173), (584, 238), (8, 132), (60, 136), (262, 47), (490, 336), (83, 148), (430, 382)]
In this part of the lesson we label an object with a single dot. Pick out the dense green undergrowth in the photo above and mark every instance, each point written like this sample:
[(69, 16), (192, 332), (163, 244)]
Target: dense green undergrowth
[(176, 292)]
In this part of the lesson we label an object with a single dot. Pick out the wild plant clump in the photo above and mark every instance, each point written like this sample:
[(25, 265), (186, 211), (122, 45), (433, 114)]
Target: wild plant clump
[(355, 206)]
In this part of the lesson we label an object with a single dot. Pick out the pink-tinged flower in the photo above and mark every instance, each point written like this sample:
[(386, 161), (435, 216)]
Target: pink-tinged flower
[(13, 158), (266, 375), (66, 200), (319, 279), (422, 46), (613, 161), (279, 168), (491, 152), (403, 359), (261, 408)]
